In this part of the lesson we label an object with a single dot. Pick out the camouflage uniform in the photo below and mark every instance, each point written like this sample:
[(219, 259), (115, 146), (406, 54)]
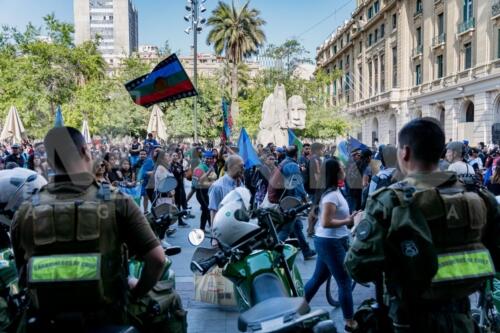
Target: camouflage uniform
[(429, 235)]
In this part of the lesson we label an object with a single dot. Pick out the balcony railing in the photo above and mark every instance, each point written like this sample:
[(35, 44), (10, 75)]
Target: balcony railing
[(439, 39), (418, 12), (495, 8), (467, 25), (418, 51)]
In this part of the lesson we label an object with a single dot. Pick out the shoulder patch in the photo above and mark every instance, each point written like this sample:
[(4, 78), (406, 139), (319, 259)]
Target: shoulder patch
[(363, 230)]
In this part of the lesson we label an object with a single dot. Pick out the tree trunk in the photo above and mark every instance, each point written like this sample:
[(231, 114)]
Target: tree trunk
[(234, 93)]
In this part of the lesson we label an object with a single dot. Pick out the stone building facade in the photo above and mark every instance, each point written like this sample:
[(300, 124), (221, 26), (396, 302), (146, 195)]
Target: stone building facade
[(404, 59)]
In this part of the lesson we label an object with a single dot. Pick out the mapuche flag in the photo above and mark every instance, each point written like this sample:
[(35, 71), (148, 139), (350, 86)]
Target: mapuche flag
[(167, 82)]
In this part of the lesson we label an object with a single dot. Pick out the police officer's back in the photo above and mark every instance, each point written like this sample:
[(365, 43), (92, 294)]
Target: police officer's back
[(71, 240), (430, 235)]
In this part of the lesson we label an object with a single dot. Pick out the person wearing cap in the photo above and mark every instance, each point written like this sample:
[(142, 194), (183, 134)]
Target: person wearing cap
[(455, 153), (16, 156), (204, 176)]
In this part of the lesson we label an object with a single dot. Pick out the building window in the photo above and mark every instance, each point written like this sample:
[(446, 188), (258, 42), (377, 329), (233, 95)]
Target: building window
[(468, 56), (419, 36), (335, 49), (375, 64), (498, 46), (361, 44), (376, 35), (360, 75), (394, 21), (382, 31), (418, 75), (370, 12), (469, 113), (370, 39), (468, 10), (394, 67), (440, 24), (347, 82), (440, 66), (370, 79), (348, 61), (418, 8), (382, 73), (376, 7), (341, 43), (335, 88)]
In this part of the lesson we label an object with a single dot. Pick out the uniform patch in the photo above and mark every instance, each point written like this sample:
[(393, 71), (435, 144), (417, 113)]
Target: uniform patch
[(409, 248), (363, 230)]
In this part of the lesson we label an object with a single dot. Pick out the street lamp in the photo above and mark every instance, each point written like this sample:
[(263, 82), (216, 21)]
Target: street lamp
[(194, 7)]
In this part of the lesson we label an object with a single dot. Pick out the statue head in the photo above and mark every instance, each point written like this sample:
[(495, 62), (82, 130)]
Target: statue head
[(297, 112)]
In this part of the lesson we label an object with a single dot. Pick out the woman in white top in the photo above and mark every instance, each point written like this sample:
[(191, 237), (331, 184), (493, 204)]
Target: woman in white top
[(332, 242), (162, 164)]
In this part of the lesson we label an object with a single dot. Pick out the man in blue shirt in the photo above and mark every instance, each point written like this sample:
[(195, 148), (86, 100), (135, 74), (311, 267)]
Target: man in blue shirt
[(232, 179), (150, 144), (290, 170)]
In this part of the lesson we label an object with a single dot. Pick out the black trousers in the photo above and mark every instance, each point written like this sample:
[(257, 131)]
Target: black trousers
[(202, 197), (180, 195)]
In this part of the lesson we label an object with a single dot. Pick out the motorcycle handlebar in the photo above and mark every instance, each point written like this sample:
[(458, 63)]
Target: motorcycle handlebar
[(204, 266), (295, 211)]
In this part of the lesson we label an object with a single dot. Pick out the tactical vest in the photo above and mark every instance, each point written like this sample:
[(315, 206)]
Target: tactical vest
[(450, 222), (76, 262)]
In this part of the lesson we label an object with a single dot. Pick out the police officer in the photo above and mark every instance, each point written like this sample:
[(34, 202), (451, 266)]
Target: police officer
[(429, 236), (71, 241)]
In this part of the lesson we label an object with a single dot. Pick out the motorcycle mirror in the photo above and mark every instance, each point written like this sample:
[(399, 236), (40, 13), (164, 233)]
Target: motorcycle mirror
[(196, 237), (288, 203), (293, 182), (168, 184)]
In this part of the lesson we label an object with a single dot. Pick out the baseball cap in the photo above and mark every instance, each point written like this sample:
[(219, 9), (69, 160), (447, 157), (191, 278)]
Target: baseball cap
[(456, 146), (280, 150)]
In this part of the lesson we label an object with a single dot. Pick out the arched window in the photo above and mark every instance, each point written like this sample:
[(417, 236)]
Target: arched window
[(469, 113)]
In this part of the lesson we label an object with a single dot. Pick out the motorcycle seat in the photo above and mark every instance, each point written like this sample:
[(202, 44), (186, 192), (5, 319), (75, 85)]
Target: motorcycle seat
[(278, 307)]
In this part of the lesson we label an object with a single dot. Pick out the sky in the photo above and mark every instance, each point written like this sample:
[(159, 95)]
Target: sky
[(309, 21)]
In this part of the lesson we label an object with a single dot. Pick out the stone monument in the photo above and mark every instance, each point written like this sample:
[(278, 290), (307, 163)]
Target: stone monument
[(278, 116)]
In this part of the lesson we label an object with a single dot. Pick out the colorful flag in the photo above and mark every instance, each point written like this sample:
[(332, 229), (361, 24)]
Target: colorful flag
[(167, 82), (228, 123), (59, 122), (355, 144), (293, 140), (246, 150), (342, 153)]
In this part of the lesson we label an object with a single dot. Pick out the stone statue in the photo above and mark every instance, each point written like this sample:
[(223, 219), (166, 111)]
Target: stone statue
[(278, 116), (274, 118), (297, 112)]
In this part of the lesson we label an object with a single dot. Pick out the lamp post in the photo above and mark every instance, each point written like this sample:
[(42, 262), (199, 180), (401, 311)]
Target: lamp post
[(194, 7)]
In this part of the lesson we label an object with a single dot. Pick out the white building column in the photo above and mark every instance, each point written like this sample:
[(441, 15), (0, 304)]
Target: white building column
[(483, 117)]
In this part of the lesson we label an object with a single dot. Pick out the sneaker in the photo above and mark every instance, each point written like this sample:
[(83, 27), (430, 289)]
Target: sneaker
[(183, 224), (190, 216), (309, 254)]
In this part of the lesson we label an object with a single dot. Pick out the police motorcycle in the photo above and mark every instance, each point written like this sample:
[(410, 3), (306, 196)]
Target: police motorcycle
[(154, 312), (268, 286), (162, 216)]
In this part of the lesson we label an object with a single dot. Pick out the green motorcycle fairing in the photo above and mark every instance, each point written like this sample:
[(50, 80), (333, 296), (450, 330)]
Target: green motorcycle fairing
[(243, 272), (135, 269)]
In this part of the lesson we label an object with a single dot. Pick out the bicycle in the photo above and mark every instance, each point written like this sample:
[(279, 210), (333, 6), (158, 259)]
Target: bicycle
[(486, 314), (332, 291)]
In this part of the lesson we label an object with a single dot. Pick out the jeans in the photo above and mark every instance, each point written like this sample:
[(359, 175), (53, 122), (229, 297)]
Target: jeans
[(330, 261), (294, 227)]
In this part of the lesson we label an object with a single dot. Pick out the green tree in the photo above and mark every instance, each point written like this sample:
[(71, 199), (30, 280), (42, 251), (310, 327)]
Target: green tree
[(238, 34), (291, 52)]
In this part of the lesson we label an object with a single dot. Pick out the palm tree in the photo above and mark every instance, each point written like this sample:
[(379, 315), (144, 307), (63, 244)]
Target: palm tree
[(238, 34)]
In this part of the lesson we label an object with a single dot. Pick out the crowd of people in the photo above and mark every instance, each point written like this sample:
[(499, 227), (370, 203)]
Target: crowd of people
[(337, 185)]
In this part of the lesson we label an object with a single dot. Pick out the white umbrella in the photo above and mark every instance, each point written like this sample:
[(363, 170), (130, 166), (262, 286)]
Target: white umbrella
[(13, 130), (156, 124), (86, 132)]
